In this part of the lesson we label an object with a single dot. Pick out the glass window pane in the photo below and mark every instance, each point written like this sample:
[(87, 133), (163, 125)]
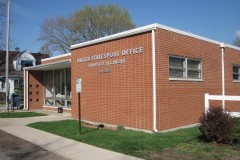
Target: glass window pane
[(236, 76), (26, 63), (176, 73), (59, 83), (177, 62), (60, 103), (236, 73), (48, 83), (236, 69), (194, 74), (177, 67), (3, 85), (68, 83), (49, 102), (68, 104), (193, 64)]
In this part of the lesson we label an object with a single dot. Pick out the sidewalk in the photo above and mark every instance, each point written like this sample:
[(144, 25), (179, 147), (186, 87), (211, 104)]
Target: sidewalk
[(65, 147)]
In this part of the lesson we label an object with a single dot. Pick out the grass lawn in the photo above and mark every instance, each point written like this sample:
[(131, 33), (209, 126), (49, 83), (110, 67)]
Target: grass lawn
[(20, 114), (180, 144)]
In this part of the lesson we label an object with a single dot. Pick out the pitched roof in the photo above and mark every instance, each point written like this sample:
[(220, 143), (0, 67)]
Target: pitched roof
[(14, 55), (39, 57)]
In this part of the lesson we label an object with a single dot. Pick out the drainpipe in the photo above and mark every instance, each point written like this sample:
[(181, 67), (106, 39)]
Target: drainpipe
[(27, 91), (24, 88), (154, 83), (222, 46)]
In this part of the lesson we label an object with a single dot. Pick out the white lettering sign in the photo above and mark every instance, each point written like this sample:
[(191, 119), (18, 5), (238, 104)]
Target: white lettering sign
[(125, 52)]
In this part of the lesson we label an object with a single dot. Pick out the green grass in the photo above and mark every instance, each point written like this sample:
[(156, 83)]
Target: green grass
[(20, 114), (180, 144)]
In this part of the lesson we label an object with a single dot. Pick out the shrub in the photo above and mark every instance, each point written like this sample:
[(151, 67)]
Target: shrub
[(217, 126), (120, 128)]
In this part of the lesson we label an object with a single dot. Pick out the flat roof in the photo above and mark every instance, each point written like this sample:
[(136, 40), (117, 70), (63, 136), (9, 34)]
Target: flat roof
[(145, 29), (51, 66), (59, 56)]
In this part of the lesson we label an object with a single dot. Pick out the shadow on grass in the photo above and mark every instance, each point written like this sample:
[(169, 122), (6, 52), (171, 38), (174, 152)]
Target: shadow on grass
[(204, 139), (100, 126)]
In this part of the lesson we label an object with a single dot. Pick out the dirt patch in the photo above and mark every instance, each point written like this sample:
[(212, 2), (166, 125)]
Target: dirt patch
[(169, 155), (14, 148)]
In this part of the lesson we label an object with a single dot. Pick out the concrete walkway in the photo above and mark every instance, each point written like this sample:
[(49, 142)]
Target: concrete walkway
[(65, 147)]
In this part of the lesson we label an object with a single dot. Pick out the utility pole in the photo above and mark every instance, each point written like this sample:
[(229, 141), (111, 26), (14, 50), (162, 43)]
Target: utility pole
[(7, 55)]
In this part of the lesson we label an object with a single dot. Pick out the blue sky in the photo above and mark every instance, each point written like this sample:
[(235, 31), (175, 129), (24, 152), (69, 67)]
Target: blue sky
[(215, 19)]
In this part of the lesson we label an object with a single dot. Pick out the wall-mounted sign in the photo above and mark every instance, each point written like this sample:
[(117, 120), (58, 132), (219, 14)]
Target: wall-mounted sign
[(103, 60), (115, 54), (78, 85)]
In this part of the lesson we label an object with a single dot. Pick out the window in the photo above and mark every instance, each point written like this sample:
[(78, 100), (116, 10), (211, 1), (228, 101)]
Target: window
[(3, 85), (184, 68), (48, 83), (59, 83), (18, 84), (68, 83), (236, 73), (18, 87), (58, 88), (26, 63)]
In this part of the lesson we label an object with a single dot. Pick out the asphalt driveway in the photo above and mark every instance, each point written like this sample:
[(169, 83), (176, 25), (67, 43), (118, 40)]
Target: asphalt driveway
[(14, 148)]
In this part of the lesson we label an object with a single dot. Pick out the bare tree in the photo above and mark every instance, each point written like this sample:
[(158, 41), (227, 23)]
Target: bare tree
[(3, 12), (86, 24), (45, 50), (57, 33), (237, 40)]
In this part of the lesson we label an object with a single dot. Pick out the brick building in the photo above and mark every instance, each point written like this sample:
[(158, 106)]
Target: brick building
[(151, 78)]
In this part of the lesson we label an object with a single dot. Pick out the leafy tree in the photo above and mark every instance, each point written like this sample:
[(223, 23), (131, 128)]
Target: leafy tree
[(86, 24)]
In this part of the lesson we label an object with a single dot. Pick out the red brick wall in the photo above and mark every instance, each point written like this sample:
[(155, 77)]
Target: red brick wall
[(35, 90), (181, 103), (121, 97), (232, 57), (124, 96), (36, 94)]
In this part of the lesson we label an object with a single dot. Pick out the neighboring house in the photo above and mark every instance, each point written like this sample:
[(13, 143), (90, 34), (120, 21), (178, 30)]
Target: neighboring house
[(26, 59), (17, 61)]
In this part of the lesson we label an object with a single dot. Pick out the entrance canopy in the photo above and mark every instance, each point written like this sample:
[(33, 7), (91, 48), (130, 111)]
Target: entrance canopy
[(51, 66)]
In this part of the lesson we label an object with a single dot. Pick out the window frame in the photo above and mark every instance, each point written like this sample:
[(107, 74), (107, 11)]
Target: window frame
[(186, 78), (54, 100), (234, 73), (24, 62)]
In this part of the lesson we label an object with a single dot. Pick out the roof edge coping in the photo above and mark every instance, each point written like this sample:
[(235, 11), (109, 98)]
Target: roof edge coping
[(145, 29), (55, 57), (48, 64)]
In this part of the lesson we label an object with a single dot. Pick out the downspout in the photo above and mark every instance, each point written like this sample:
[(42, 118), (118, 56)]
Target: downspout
[(24, 88), (154, 82), (27, 90), (222, 46)]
